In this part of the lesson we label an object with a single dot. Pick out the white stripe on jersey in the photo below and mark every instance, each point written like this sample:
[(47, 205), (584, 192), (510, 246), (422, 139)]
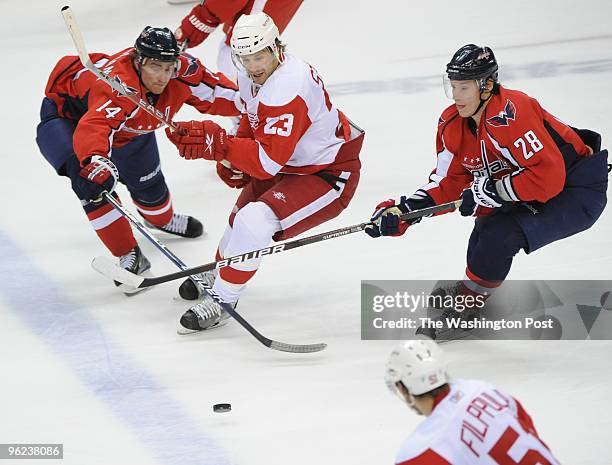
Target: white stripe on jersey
[(267, 163), (445, 157), (258, 6), (504, 151), (507, 184), (209, 94)]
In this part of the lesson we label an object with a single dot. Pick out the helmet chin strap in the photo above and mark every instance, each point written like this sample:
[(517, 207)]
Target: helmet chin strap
[(482, 102)]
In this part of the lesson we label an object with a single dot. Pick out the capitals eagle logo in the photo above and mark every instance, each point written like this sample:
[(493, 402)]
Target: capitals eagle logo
[(192, 65), (504, 117)]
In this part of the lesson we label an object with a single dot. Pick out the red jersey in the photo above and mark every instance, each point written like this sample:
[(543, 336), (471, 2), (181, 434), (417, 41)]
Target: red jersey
[(475, 424), (290, 125), (522, 148), (209, 14), (107, 120)]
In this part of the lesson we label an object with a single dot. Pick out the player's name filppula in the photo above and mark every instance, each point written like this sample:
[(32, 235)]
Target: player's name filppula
[(460, 323)]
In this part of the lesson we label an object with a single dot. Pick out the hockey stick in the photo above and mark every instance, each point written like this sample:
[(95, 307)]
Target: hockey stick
[(110, 269), (276, 345), (114, 82), (133, 96)]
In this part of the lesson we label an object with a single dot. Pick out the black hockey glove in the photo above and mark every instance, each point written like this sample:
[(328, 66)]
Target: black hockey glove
[(386, 217), (482, 193)]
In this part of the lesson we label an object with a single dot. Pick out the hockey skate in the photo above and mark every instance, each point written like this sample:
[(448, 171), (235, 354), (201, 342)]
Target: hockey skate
[(446, 332), (205, 315), (181, 225), (135, 262), (189, 290)]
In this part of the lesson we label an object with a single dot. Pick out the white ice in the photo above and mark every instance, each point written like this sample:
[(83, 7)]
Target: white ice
[(106, 375)]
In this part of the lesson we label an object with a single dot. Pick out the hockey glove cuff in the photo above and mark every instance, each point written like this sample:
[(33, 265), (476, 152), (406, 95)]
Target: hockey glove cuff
[(232, 177), (98, 175), (482, 193)]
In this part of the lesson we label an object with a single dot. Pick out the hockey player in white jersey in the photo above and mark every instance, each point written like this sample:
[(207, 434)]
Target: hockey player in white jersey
[(299, 153), (467, 422)]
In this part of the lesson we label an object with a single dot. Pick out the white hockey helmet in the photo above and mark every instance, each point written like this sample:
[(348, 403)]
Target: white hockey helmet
[(253, 33), (418, 364)]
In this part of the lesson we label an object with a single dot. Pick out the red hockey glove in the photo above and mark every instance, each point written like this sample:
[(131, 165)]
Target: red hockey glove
[(199, 139), (233, 178), (196, 26), (98, 175)]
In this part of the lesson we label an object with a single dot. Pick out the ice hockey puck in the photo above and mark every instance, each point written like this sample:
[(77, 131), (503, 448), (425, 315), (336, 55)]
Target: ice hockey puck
[(222, 408)]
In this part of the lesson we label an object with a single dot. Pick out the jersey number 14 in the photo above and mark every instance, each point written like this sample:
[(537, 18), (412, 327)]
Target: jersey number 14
[(111, 112)]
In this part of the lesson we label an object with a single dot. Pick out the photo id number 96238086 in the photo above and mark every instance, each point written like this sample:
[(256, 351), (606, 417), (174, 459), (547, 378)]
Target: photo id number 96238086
[(31, 451)]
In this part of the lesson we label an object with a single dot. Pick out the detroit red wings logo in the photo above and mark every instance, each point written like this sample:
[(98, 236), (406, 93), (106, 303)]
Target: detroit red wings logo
[(504, 117)]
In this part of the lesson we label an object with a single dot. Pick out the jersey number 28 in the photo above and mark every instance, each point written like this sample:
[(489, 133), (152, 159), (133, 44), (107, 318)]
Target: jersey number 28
[(533, 142)]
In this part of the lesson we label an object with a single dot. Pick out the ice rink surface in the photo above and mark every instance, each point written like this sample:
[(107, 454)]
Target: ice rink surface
[(106, 375)]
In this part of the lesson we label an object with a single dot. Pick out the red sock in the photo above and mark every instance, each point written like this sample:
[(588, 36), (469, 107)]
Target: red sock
[(112, 229), (158, 215)]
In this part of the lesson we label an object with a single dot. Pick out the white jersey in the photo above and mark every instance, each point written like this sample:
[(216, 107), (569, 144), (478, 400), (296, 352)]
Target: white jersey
[(292, 125), (476, 424)]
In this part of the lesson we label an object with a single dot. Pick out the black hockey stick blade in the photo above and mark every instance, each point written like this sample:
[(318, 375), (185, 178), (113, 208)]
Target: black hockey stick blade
[(276, 345), (111, 270)]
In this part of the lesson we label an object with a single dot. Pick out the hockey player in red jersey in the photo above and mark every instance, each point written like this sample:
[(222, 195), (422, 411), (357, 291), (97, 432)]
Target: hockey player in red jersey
[(96, 137), (467, 422), (529, 178), (300, 155), (204, 18)]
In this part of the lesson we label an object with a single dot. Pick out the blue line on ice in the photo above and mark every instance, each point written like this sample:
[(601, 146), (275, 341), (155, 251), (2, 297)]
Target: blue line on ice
[(131, 393)]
